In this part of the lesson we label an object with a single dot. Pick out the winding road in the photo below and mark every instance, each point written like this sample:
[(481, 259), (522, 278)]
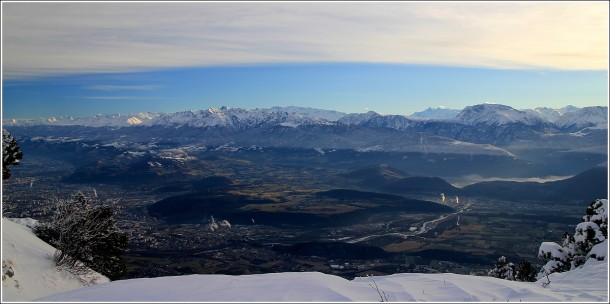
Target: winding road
[(425, 227)]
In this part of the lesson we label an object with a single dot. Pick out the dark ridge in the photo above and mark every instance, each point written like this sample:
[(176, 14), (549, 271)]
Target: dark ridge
[(452, 256), (354, 194), (216, 184), (382, 171), (585, 186), (212, 182), (421, 184), (334, 250)]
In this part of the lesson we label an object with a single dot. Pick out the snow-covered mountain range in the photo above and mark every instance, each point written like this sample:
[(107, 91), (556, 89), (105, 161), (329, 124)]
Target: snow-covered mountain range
[(237, 118), (224, 117), (486, 129), (34, 278), (497, 114)]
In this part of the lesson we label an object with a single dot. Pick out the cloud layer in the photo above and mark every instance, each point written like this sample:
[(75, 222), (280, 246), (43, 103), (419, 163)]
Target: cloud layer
[(63, 38)]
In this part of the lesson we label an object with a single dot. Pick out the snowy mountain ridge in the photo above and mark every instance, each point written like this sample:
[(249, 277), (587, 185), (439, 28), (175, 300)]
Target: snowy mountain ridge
[(552, 115), (436, 113), (234, 118), (329, 115), (496, 114), (585, 117), (238, 118)]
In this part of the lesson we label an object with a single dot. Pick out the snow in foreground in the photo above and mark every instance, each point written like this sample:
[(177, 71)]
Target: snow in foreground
[(586, 284), (40, 281), (29, 261)]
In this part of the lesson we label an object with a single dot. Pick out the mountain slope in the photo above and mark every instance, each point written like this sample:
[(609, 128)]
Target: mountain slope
[(594, 117), (551, 115), (422, 184), (392, 180), (34, 275), (376, 176), (496, 114), (584, 186)]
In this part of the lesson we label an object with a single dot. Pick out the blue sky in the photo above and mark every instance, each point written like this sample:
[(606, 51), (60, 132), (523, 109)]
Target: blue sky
[(391, 57), (384, 88)]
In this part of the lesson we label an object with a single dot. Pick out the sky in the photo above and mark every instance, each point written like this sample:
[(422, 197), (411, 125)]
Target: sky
[(79, 59)]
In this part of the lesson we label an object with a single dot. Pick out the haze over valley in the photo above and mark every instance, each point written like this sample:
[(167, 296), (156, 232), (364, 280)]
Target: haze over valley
[(298, 188)]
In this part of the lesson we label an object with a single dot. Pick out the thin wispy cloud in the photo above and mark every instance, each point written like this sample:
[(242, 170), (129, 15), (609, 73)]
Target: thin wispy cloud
[(58, 38), (119, 97), (102, 87)]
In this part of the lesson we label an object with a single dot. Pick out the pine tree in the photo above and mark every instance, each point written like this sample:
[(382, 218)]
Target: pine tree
[(11, 153), (556, 257), (526, 272), (86, 237), (569, 249), (574, 250), (596, 212), (503, 270), (586, 235)]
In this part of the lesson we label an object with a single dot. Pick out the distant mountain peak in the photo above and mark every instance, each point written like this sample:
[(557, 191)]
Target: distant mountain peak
[(440, 112), (329, 115), (592, 117), (496, 114), (358, 118)]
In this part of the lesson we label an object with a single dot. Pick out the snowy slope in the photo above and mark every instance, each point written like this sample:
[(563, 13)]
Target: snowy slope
[(595, 117), (569, 117), (30, 261), (574, 117), (586, 284), (551, 115)]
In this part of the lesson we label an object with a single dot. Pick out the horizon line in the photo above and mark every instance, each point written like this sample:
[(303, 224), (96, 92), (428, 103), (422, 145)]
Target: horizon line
[(295, 106)]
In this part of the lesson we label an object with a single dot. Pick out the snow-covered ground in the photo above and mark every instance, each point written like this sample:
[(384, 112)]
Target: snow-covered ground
[(36, 279), (588, 284), (28, 271)]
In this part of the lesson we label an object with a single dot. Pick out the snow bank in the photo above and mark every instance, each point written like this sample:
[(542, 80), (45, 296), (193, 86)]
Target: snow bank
[(586, 284), (582, 229), (26, 221), (552, 249), (599, 251), (28, 269), (601, 214)]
